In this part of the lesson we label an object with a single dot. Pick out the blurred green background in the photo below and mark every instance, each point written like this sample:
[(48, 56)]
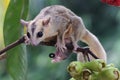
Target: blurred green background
[(101, 19)]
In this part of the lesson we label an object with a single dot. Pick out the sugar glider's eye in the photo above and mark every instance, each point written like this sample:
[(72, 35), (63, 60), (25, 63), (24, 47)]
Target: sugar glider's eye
[(28, 34), (39, 34)]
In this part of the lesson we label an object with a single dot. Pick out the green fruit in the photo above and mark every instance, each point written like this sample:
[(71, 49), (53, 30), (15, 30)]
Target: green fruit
[(75, 68), (109, 73), (95, 65), (94, 70), (72, 79), (86, 74), (94, 76)]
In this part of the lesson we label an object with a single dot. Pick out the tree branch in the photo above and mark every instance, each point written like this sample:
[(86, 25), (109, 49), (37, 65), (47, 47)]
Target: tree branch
[(50, 43)]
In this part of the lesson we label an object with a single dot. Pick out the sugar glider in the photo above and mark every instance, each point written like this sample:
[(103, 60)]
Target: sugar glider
[(57, 20)]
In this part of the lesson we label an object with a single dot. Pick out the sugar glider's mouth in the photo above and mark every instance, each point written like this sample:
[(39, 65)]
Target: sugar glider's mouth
[(34, 43), (59, 56)]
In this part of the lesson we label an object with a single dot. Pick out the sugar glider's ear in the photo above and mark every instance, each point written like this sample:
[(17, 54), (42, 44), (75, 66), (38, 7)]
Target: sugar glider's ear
[(24, 23), (46, 21)]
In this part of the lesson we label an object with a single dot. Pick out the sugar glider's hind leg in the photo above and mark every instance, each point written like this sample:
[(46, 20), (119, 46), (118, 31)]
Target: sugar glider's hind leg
[(82, 34)]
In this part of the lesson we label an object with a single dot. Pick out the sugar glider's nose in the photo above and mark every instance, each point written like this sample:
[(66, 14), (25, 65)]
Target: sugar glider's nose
[(34, 43)]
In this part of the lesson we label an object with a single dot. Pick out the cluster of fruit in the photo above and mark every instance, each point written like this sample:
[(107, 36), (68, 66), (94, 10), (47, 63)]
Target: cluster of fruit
[(93, 70)]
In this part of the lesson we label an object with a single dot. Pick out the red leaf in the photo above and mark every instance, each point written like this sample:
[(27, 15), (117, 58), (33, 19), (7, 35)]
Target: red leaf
[(112, 2)]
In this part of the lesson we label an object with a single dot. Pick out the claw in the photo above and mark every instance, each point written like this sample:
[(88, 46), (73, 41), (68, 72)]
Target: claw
[(60, 47)]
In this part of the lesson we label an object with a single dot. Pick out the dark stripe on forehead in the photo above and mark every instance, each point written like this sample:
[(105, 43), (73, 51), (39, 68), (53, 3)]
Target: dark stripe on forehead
[(33, 26), (33, 29)]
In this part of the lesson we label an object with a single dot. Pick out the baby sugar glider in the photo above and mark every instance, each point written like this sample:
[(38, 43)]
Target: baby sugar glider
[(57, 20)]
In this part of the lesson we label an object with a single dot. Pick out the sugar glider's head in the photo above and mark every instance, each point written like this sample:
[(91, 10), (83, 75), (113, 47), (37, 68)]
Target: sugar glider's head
[(37, 30)]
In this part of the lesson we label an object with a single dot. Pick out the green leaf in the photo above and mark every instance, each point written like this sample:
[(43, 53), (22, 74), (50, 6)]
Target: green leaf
[(13, 30)]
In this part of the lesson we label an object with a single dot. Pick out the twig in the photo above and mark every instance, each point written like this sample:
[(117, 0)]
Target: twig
[(21, 40), (84, 50), (81, 49)]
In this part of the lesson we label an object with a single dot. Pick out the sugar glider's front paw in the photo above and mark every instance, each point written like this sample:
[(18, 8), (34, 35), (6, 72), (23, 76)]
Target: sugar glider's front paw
[(60, 47), (27, 40)]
